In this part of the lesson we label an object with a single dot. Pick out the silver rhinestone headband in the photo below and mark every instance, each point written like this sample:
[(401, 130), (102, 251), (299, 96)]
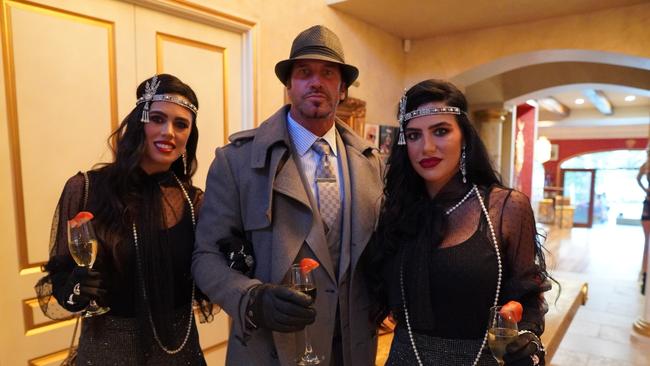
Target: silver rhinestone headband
[(404, 117), (151, 96), (431, 111)]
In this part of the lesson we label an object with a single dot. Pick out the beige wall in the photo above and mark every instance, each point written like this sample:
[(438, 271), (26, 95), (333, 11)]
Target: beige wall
[(377, 54), (624, 30)]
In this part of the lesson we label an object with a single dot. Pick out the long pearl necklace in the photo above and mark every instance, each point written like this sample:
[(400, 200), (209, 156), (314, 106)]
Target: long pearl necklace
[(144, 290), (499, 276)]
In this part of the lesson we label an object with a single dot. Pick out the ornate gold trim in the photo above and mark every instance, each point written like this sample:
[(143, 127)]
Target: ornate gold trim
[(214, 13), (216, 347), (12, 105), (31, 328), (642, 327), (162, 37), (49, 359)]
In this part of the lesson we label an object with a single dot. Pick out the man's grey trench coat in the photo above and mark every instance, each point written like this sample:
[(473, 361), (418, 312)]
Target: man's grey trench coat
[(255, 185)]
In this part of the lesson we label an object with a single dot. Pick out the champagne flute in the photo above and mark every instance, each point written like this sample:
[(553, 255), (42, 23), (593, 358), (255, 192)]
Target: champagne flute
[(82, 243), (304, 282), (502, 329)]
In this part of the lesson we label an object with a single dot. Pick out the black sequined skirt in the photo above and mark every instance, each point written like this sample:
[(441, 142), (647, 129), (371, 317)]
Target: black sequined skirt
[(107, 340), (436, 351)]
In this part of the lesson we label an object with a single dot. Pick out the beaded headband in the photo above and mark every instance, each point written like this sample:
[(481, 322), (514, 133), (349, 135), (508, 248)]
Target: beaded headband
[(404, 117), (151, 96)]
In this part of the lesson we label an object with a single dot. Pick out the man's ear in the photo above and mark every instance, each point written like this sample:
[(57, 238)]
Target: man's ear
[(343, 93)]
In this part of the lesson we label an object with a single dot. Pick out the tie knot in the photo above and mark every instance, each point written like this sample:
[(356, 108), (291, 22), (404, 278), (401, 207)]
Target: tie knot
[(322, 147)]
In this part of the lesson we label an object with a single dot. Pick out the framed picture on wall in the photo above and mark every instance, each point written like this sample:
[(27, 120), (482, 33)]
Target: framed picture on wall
[(387, 134), (371, 133), (555, 152)]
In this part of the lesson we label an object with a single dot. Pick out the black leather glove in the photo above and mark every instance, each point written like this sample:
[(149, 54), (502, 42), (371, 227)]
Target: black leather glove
[(525, 350), (82, 285), (280, 308)]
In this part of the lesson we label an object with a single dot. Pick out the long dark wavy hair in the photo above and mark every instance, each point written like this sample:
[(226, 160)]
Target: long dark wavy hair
[(122, 193), (124, 176), (404, 190)]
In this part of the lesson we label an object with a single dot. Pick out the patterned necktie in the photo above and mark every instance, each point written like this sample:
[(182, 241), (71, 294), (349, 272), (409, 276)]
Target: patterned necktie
[(329, 200)]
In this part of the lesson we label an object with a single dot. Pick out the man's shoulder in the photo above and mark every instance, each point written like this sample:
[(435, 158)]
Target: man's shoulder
[(242, 137)]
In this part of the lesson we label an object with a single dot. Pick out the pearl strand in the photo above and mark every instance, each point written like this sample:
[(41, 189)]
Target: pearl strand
[(144, 291), (499, 277), (467, 195)]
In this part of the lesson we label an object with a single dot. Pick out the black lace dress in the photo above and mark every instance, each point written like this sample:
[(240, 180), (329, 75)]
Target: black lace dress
[(124, 336), (450, 285)]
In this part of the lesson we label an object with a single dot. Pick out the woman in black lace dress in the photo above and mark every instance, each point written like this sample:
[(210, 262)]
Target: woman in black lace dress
[(145, 209), (433, 263)]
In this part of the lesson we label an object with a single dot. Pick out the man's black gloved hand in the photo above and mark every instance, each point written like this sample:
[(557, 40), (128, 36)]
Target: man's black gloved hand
[(525, 350), (82, 285), (280, 308)]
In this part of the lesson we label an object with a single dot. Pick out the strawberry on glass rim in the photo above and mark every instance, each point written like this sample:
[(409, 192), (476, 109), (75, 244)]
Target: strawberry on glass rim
[(81, 218), (512, 310), (307, 265)]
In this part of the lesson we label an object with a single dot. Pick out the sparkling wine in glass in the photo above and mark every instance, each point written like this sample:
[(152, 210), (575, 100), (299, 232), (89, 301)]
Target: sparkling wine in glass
[(502, 329), (304, 282), (82, 243)]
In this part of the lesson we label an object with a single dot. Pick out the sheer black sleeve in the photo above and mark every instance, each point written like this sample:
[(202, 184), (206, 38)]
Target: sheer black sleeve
[(206, 309), (524, 268), (60, 263)]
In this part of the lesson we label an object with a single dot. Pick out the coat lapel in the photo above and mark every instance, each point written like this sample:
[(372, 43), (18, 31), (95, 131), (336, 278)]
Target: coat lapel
[(365, 191), (292, 208)]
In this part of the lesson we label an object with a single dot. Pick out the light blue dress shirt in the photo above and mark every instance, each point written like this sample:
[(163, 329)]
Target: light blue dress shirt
[(302, 140)]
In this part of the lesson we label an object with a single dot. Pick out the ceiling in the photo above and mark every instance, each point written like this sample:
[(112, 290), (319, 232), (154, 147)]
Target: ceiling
[(421, 19)]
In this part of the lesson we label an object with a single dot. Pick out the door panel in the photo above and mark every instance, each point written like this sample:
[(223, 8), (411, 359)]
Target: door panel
[(579, 186), (59, 83), (70, 68)]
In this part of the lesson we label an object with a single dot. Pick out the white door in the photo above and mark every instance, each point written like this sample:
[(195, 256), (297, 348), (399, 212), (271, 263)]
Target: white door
[(70, 69)]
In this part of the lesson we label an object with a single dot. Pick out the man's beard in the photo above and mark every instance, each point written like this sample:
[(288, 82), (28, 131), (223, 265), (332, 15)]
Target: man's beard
[(320, 110)]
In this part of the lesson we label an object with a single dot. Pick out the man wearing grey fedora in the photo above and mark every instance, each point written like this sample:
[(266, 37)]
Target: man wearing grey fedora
[(301, 185)]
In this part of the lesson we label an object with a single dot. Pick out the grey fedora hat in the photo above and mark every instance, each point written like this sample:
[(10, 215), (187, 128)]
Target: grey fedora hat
[(317, 43)]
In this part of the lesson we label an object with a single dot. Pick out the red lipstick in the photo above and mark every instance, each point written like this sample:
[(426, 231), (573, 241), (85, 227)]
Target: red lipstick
[(429, 162)]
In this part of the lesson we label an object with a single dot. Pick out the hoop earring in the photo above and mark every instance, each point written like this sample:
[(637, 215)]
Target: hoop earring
[(463, 165), (184, 160)]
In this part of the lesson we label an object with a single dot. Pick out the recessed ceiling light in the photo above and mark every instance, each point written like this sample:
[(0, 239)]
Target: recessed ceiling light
[(630, 98), (579, 101)]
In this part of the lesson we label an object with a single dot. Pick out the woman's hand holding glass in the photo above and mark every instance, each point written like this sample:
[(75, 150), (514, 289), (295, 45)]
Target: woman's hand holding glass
[(502, 329), (86, 283)]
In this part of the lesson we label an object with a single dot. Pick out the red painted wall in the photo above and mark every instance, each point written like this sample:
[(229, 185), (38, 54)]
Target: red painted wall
[(525, 118), (570, 148)]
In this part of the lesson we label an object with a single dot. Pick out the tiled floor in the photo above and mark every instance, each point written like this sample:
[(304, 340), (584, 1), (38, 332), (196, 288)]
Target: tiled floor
[(608, 257)]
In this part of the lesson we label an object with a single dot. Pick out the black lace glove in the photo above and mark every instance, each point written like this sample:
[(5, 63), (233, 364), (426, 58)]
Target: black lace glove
[(279, 308), (82, 285), (238, 252), (525, 350)]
